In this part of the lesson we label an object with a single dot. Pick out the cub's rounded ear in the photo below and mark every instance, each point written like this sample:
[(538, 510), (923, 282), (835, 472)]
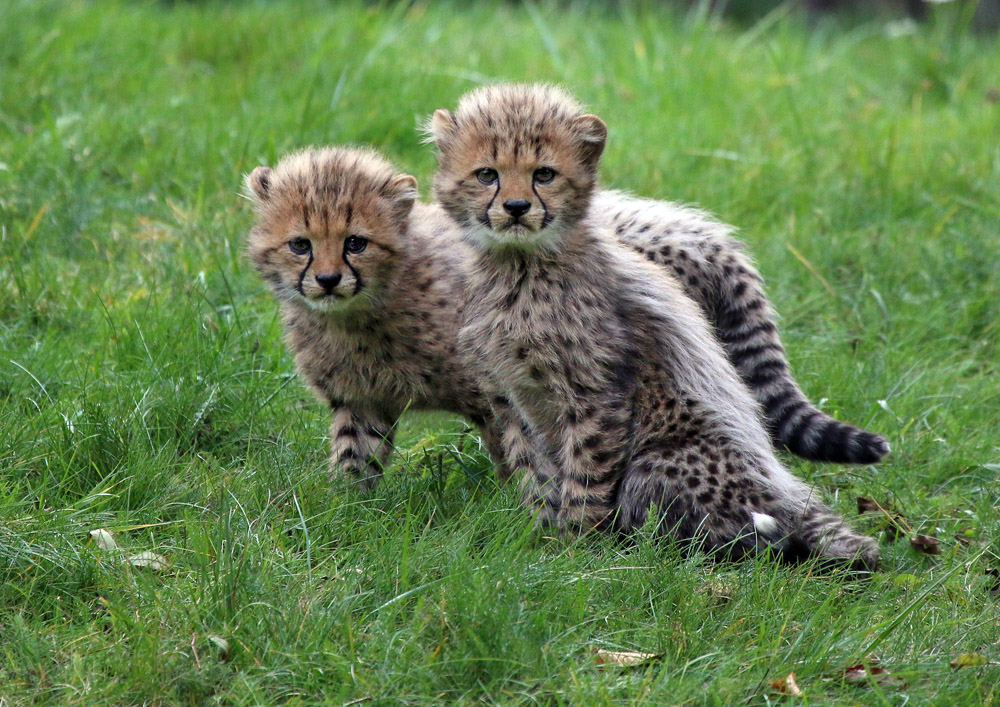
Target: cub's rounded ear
[(258, 184), (593, 135), (440, 128), (403, 191)]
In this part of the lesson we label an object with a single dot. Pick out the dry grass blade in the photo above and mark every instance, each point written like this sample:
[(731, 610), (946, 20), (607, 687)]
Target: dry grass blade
[(625, 659)]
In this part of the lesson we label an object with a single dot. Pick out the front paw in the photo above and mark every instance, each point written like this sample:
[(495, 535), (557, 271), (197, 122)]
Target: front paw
[(546, 518), (366, 478)]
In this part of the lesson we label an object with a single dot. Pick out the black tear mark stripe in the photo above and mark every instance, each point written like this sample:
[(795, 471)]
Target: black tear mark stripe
[(302, 275), (358, 283), (486, 214), (546, 218)]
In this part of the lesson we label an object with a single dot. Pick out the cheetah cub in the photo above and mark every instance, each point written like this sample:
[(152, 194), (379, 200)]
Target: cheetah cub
[(712, 267), (371, 292), (628, 398)]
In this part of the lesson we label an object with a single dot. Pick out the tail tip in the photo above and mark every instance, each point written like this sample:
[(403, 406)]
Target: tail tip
[(870, 448), (764, 524)]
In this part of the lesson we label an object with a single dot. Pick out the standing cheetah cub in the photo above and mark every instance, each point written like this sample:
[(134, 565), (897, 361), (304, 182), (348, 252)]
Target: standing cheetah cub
[(371, 292), (627, 396)]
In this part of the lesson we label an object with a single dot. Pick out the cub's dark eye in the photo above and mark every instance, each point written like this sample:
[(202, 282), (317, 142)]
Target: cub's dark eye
[(355, 244), (487, 175), (544, 175), (300, 246)]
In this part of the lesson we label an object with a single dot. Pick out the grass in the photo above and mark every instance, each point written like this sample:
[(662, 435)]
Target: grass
[(144, 387)]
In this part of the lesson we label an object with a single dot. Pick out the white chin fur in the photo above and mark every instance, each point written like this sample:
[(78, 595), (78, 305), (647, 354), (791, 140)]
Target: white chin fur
[(516, 239), (329, 305)]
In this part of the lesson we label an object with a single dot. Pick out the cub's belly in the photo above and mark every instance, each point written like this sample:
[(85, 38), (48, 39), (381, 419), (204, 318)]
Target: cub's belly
[(396, 386)]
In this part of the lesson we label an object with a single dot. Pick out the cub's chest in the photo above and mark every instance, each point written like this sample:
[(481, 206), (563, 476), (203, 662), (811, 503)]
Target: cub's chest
[(543, 330), (366, 366)]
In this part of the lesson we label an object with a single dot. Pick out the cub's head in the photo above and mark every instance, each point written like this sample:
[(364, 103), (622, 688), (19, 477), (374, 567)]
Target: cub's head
[(329, 226), (516, 164)]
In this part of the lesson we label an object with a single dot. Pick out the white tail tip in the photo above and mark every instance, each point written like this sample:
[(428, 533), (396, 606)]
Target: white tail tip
[(764, 524)]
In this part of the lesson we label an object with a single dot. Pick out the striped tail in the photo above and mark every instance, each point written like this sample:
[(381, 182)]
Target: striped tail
[(745, 324), (715, 272)]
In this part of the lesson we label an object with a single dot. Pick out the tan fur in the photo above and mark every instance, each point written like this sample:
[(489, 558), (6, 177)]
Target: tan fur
[(384, 338), (627, 397)]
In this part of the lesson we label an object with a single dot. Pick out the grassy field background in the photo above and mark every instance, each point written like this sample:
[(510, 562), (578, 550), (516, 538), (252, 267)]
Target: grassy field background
[(144, 388)]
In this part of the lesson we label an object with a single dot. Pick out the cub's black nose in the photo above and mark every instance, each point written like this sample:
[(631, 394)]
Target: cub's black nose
[(328, 282), (516, 207)]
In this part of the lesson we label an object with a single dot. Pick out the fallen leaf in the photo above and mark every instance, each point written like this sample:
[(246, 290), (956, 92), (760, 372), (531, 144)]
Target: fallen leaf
[(787, 686), (860, 675), (993, 95), (623, 658), (868, 505), (148, 559), (927, 544), (222, 644), (995, 574), (103, 539), (969, 660)]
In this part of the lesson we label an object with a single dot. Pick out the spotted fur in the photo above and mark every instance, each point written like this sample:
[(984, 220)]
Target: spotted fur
[(381, 338), (626, 396), (714, 270)]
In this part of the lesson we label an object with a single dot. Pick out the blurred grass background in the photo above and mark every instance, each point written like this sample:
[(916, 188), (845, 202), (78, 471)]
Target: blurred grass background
[(144, 387)]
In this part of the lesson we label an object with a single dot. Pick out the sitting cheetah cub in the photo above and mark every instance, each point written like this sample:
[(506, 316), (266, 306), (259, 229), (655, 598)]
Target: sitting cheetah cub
[(627, 396), (371, 292)]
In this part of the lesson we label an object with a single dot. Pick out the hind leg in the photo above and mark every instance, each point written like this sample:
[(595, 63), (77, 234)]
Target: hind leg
[(722, 501), (819, 532), (693, 498)]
